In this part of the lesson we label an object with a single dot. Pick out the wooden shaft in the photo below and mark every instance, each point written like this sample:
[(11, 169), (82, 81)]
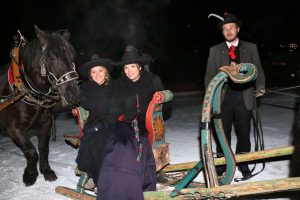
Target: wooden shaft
[(222, 192), (233, 190), (258, 155)]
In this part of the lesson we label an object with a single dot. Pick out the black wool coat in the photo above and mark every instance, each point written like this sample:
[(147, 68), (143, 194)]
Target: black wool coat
[(131, 99), (95, 98), (124, 148)]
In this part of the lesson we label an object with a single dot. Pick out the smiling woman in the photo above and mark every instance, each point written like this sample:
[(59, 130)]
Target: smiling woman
[(95, 96), (132, 71), (129, 167), (99, 74)]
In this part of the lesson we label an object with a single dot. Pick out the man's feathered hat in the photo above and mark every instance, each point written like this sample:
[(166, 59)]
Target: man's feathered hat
[(228, 18)]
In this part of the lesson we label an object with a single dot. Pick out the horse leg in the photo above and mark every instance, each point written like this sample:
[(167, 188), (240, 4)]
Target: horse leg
[(30, 173), (43, 145)]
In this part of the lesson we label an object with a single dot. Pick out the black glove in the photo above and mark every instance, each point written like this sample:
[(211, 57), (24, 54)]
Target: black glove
[(129, 108)]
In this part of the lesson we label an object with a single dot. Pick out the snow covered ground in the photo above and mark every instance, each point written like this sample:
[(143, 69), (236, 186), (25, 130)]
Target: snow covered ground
[(182, 132)]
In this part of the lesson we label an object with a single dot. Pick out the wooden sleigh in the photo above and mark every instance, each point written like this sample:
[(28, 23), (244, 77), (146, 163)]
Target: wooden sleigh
[(155, 126), (185, 188)]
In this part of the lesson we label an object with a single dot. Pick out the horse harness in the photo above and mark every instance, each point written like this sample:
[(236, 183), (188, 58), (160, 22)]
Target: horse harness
[(22, 88)]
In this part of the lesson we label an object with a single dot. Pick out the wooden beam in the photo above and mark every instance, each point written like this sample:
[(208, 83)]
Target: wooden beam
[(224, 191), (233, 190), (258, 155)]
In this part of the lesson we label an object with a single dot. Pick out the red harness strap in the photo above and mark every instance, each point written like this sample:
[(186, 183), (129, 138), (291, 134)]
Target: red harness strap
[(11, 77), (14, 78)]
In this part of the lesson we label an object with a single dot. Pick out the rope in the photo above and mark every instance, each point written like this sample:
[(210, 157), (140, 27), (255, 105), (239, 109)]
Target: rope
[(287, 88), (259, 142), (283, 89)]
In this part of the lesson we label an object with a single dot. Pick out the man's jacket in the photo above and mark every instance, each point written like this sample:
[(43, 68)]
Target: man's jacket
[(218, 57)]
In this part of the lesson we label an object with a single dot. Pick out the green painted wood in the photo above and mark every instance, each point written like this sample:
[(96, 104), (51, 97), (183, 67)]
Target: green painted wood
[(229, 157), (187, 179), (214, 87), (240, 73), (84, 178)]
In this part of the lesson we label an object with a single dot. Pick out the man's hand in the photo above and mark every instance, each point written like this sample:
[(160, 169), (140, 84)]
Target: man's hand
[(259, 93)]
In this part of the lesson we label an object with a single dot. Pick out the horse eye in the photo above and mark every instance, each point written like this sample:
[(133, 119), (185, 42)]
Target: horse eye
[(51, 56)]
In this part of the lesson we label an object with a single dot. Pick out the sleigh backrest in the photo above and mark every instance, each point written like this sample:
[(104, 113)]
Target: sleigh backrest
[(82, 116), (156, 127)]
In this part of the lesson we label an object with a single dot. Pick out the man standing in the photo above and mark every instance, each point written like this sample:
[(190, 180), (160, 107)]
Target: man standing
[(238, 102)]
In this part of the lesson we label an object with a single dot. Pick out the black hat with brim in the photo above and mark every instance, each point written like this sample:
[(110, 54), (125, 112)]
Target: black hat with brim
[(131, 57), (229, 18), (104, 62)]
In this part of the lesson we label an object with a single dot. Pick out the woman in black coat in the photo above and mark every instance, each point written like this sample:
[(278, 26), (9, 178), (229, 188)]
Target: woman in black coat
[(129, 167), (95, 96)]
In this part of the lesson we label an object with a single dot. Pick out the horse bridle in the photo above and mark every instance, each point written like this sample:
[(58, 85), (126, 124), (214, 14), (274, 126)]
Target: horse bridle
[(54, 81), (68, 76), (35, 97)]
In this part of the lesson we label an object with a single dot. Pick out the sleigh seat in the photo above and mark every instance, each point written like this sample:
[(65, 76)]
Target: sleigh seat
[(154, 124)]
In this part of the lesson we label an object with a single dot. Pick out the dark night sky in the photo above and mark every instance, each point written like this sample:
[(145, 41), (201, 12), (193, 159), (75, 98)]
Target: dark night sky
[(177, 33)]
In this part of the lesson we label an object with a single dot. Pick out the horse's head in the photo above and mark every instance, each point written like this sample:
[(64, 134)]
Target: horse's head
[(54, 64)]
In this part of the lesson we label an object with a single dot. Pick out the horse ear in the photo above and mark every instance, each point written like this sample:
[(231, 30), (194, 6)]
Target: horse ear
[(66, 34), (41, 35)]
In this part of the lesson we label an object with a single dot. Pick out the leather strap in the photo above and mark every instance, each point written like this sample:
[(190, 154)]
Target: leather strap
[(15, 68), (17, 81)]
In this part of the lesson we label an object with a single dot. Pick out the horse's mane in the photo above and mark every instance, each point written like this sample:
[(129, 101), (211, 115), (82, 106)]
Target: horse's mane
[(30, 55), (56, 45)]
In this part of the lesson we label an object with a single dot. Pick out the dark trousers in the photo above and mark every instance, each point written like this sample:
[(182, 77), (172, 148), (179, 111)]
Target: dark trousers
[(234, 112)]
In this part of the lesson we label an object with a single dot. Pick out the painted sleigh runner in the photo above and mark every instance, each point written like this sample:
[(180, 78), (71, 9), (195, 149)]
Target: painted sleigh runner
[(215, 187)]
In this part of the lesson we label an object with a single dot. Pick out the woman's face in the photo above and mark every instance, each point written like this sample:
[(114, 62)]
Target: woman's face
[(132, 71), (98, 74)]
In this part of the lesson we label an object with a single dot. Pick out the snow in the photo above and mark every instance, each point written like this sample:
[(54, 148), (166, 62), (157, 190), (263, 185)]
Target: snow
[(182, 132)]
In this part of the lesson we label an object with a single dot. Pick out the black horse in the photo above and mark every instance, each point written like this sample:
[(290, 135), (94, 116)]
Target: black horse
[(49, 77)]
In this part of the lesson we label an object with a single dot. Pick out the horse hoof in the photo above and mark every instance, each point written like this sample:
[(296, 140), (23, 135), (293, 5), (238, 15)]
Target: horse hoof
[(29, 178), (50, 176)]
